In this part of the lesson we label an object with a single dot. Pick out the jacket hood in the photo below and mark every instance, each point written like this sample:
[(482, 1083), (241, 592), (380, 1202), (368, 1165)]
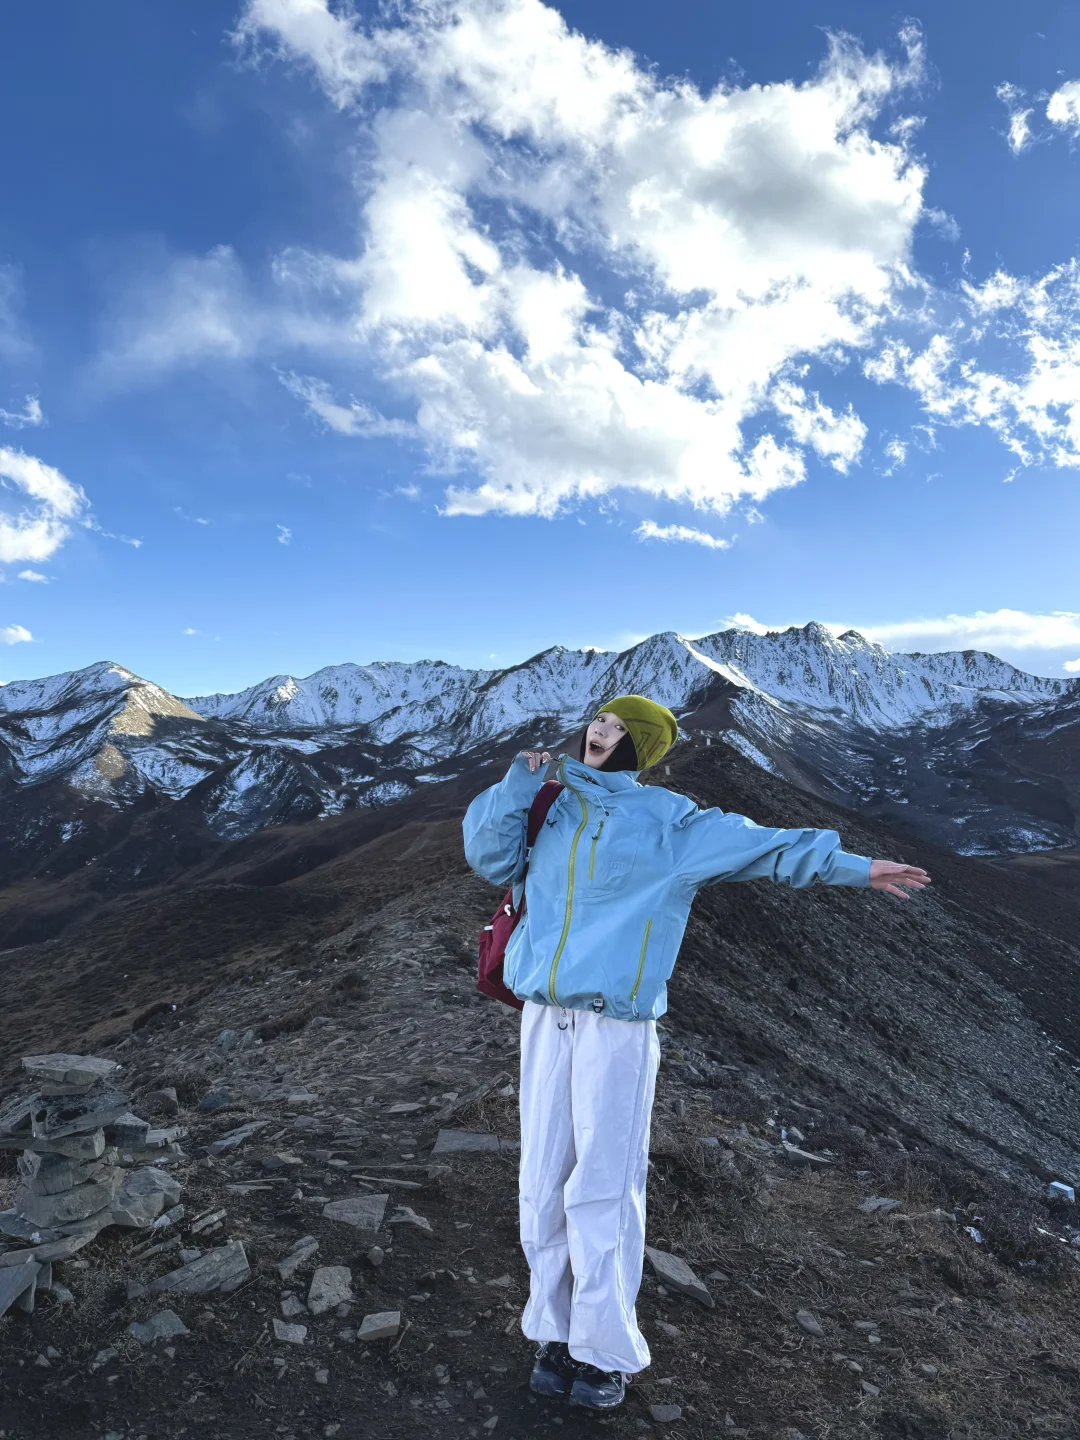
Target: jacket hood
[(578, 773)]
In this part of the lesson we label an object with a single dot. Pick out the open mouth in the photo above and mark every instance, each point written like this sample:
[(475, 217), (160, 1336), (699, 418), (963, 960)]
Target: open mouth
[(595, 748)]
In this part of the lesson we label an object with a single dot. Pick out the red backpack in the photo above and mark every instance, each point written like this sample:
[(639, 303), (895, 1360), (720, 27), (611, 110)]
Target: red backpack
[(495, 937)]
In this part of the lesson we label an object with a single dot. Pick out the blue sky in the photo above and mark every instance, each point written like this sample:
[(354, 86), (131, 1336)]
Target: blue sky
[(330, 337)]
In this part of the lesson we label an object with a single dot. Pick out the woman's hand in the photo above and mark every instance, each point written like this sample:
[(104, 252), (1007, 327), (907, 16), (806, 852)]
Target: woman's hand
[(887, 875), (536, 758)]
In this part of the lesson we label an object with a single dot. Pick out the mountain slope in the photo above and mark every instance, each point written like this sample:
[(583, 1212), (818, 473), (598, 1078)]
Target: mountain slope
[(108, 778)]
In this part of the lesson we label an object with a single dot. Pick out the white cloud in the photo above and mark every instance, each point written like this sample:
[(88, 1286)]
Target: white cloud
[(284, 535), (50, 506), (14, 635), (1063, 107), (1019, 136), (983, 630), (191, 519), (355, 418), (649, 530), (190, 631), (1073, 666), (31, 414), (992, 630), (896, 452), (517, 179), (35, 576), (1009, 362)]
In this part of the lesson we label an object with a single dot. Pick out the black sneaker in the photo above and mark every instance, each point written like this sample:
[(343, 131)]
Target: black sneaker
[(598, 1389), (554, 1371)]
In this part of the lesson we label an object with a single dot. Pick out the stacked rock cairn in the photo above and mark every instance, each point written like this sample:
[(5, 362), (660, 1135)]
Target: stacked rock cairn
[(81, 1169)]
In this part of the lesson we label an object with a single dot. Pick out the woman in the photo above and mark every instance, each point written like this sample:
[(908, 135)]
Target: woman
[(611, 879)]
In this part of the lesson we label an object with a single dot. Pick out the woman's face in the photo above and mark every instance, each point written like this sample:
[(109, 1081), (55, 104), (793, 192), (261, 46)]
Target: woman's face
[(602, 736)]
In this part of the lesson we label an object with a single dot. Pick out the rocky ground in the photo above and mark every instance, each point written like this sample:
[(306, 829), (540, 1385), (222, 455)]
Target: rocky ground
[(925, 1053)]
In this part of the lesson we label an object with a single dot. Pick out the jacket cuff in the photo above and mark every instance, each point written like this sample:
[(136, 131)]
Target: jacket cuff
[(849, 869)]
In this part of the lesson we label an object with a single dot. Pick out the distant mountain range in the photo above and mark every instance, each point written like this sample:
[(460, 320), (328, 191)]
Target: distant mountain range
[(958, 747)]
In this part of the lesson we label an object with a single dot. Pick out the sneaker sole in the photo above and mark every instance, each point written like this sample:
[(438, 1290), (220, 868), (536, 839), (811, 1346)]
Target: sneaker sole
[(594, 1405)]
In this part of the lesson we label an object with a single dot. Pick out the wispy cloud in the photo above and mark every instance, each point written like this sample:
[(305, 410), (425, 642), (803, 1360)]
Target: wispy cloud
[(284, 535), (1063, 107), (649, 530), (1073, 666), (1019, 135), (13, 342), (30, 415), (191, 519), (49, 505), (14, 635), (35, 576), (190, 631), (353, 418)]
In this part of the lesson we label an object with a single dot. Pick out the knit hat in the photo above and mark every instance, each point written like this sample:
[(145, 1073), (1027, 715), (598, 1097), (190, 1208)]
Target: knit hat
[(653, 728)]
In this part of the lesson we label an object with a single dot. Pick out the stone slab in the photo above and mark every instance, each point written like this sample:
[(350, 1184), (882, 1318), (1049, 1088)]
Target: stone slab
[(223, 1268), (165, 1325), (677, 1273), (13, 1224), (15, 1282), (290, 1334), (143, 1196), (383, 1325), (63, 1069), (53, 1250), (365, 1212), (236, 1138), (331, 1285), (804, 1159), (298, 1255), (453, 1142), (89, 1145), (70, 1205)]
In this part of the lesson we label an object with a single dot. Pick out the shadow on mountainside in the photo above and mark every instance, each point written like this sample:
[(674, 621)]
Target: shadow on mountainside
[(926, 1049)]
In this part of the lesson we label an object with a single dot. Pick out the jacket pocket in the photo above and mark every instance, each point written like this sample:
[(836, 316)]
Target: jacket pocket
[(612, 852)]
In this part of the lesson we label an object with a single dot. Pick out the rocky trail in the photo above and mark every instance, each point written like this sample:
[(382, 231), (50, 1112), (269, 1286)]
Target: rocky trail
[(860, 1108)]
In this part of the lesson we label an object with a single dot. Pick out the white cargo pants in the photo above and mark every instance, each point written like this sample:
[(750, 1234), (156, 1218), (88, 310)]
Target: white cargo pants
[(587, 1087)]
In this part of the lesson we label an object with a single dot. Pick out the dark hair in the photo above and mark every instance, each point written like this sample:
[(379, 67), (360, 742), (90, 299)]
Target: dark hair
[(623, 757)]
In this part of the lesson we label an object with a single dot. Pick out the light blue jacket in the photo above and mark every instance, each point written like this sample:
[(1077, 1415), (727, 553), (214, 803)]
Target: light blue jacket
[(612, 876)]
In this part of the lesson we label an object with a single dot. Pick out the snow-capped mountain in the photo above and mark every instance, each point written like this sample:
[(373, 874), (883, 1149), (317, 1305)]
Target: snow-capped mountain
[(959, 746)]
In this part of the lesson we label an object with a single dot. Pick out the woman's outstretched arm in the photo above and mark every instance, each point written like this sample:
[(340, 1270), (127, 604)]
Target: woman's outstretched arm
[(711, 845)]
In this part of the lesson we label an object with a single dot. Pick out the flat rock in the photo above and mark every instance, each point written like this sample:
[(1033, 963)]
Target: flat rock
[(809, 1322), (665, 1414), (161, 1102), (79, 1071), (143, 1196), (291, 1334), (452, 1142), (236, 1138), (61, 1119), (13, 1224), (223, 1268), (90, 1145), (165, 1325), (215, 1100), (405, 1107), (291, 1306), (406, 1215), (803, 1158), (879, 1204), (299, 1255), (16, 1281), (383, 1325), (331, 1285), (45, 1254), (52, 1174), (364, 1211), (676, 1273), (70, 1205)]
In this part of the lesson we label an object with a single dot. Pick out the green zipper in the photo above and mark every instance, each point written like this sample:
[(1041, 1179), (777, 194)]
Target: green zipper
[(569, 882), (641, 961), (592, 852)]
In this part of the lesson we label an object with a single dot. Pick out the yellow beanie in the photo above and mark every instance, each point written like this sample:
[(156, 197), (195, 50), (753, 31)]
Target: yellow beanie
[(653, 728)]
